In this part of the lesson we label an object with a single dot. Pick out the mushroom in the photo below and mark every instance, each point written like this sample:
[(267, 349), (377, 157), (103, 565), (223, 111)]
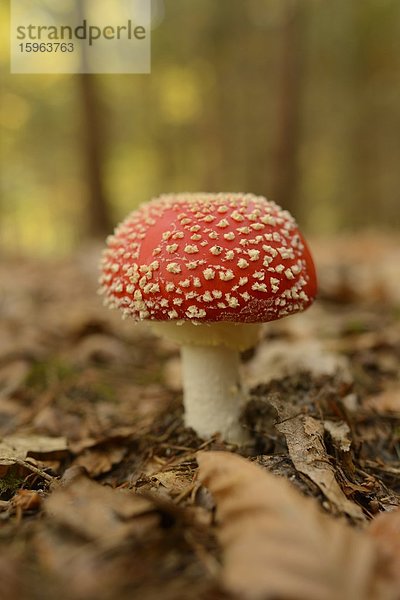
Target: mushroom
[(206, 270)]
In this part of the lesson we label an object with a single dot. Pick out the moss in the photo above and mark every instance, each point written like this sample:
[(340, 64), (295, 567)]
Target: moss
[(9, 484), (355, 327), (43, 373)]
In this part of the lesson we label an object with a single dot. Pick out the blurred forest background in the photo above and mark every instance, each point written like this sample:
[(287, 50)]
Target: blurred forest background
[(296, 100)]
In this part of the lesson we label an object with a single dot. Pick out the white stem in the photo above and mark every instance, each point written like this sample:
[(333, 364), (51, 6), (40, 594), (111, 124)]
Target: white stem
[(213, 396)]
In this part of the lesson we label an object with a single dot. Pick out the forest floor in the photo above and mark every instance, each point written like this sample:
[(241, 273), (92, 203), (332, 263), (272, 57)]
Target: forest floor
[(99, 490)]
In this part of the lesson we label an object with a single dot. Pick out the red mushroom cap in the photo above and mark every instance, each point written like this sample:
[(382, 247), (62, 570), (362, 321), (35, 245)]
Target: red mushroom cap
[(208, 257)]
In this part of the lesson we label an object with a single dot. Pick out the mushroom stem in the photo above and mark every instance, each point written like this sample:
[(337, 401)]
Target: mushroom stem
[(213, 396)]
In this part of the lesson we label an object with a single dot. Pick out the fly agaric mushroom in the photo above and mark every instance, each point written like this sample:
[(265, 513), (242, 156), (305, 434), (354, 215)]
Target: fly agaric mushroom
[(206, 270)]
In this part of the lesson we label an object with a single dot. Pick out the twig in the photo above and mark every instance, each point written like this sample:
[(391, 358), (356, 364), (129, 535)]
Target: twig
[(30, 467)]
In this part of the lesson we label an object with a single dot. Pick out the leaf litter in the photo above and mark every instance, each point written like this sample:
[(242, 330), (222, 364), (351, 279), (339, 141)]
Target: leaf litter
[(278, 544), (99, 494)]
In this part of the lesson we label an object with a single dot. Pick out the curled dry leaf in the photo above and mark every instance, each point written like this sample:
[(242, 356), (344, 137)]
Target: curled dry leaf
[(305, 440), (340, 434), (97, 461), (16, 448), (37, 446), (278, 544), (26, 500)]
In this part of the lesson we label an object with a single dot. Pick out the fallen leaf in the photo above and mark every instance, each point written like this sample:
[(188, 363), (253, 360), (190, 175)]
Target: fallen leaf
[(17, 448), (99, 348), (98, 513), (278, 544), (340, 434), (304, 437), (12, 376), (277, 359), (26, 500), (385, 529), (175, 482), (386, 401), (96, 537), (10, 577), (100, 460), (35, 446)]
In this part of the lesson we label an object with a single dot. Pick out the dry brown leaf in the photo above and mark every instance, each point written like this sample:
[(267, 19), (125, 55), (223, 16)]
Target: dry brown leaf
[(385, 529), (175, 482), (277, 543), (97, 461), (276, 359), (98, 513), (12, 376), (304, 437), (340, 434), (386, 401), (26, 500), (99, 348), (10, 577), (36, 446), (15, 448)]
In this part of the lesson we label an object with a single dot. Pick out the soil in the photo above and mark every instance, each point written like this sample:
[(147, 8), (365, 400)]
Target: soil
[(99, 495)]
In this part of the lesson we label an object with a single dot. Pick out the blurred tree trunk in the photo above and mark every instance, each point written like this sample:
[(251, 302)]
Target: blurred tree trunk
[(366, 205), (217, 127), (98, 217), (98, 214), (285, 159)]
